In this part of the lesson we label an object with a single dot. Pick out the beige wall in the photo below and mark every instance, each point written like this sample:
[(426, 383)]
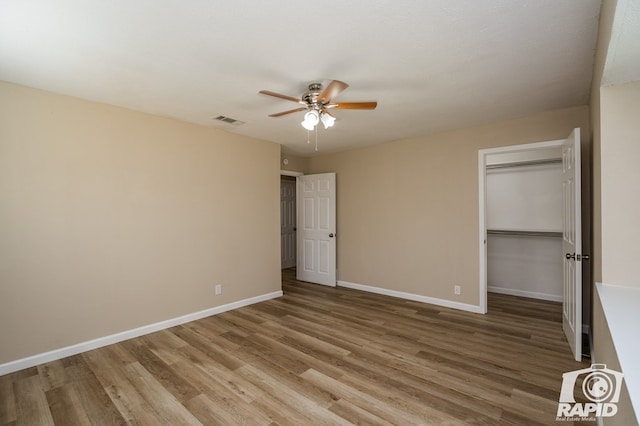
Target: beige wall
[(620, 174), (605, 24), (112, 219), (615, 163), (408, 210), (618, 161), (294, 164)]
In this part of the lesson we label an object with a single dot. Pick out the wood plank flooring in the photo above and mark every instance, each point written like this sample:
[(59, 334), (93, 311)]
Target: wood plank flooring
[(316, 356)]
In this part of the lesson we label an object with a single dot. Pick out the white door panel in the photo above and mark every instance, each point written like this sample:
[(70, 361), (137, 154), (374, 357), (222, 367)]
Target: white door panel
[(317, 228), (572, 244)]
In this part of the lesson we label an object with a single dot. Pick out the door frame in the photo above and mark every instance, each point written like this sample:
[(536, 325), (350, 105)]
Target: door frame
[(290, 173), (482, 201)]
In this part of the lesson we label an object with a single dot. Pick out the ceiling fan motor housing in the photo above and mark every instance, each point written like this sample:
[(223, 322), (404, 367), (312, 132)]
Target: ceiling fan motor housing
[(311, 97)]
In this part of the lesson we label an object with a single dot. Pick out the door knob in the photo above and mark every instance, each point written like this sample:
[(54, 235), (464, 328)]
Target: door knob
[(570, 256), (331, 235)]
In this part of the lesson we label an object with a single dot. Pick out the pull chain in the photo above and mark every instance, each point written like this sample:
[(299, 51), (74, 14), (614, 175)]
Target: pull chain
[(316, 138), (308, 141)]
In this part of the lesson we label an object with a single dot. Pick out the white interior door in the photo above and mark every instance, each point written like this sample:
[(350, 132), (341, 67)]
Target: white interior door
[(572, 244), (316, 199), (287, 224)]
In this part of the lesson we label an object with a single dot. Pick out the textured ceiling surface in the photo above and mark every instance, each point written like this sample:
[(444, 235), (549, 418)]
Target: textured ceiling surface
[(623, 56), (431, 65)]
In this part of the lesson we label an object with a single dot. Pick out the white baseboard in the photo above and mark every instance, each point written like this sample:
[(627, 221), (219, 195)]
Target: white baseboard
[(523, 293), (56, 354), (410, 296)]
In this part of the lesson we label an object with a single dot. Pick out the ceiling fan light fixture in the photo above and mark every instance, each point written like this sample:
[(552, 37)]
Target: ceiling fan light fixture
[(311, 118), (327, 120), (316, 103)]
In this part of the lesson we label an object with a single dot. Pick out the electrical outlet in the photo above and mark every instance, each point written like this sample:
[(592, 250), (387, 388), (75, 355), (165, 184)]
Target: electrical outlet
[(456, 290), (218, 289)]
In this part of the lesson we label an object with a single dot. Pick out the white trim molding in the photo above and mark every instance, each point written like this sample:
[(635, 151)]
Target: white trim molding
[(415, 297), (523, 293), (290, 173), (56, 354)]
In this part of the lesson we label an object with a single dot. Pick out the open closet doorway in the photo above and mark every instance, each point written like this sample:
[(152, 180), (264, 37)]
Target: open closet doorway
[(530, 215), (524, 223), (288, 249)]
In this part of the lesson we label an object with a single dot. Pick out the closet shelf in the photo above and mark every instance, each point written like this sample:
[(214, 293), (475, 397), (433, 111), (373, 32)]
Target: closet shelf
[(524, 163), (515, 233)]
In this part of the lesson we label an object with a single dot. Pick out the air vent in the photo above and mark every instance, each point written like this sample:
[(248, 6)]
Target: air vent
[(229, 120)]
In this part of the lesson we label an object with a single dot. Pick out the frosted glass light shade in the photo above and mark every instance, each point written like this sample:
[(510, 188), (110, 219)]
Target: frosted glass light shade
[(311, 118), (327, 120)]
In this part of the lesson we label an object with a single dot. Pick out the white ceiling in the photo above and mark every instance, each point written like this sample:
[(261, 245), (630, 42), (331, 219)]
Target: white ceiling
[(432, 65)]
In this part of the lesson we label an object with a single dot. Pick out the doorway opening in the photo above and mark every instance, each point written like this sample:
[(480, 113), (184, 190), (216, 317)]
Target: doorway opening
[(524, 205), (288, 248), (508, 177)]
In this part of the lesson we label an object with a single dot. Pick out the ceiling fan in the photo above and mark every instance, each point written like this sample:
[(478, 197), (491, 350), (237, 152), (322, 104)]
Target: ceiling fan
[(317, 101)]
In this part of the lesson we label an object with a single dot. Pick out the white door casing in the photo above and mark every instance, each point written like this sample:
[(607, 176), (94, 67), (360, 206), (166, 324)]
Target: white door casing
[(316, 199), (572, 244), (287, 224)]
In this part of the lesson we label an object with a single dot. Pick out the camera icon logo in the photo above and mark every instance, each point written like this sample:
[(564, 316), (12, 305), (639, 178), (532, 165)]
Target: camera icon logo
[(600, 385)]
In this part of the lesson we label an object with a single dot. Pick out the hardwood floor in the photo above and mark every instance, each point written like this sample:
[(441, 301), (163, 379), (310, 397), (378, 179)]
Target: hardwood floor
[(316, 356)]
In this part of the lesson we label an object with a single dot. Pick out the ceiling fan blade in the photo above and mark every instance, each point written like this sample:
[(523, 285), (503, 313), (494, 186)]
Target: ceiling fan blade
[(279, 114), (278, 95), (332, 90), (354, 105)]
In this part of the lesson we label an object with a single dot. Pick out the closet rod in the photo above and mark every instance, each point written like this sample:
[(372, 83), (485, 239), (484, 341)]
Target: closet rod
[(524, 163), (524, 233)]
